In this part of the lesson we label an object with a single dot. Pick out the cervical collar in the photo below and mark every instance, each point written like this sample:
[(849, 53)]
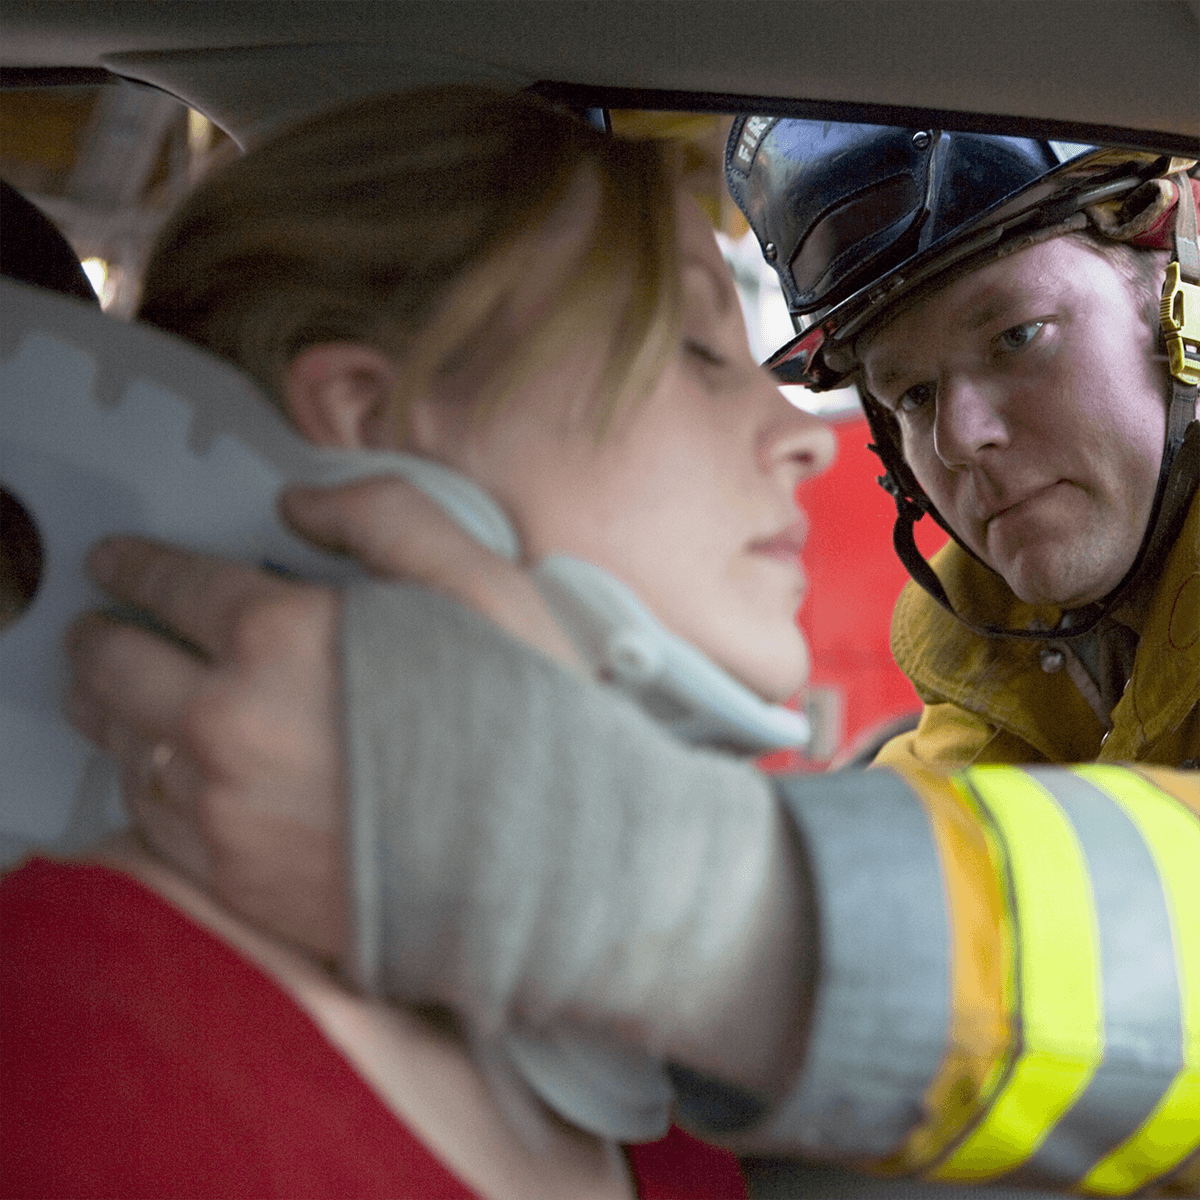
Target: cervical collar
[(114, 428)]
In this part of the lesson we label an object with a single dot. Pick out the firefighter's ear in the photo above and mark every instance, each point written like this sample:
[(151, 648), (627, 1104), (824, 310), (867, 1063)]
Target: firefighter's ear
[(339, 394)]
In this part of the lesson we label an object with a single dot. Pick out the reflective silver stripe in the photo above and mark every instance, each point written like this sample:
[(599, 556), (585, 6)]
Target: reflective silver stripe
[(1142, 1018), (882, 1006), (1167, 821)]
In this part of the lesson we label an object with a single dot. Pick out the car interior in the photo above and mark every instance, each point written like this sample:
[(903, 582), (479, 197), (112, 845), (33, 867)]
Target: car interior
[(111, 111)]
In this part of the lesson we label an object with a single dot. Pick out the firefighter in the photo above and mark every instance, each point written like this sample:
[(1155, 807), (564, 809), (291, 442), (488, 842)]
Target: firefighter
[(965, 978), (1060, 448)]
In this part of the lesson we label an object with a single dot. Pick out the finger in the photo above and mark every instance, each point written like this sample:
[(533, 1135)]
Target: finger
[(160, 787), (127, 682), (172, 830), (164, 775), (197, 596), (399, 533), (386, 523)]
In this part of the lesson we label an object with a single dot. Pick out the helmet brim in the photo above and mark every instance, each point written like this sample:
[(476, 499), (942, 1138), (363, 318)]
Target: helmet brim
[(821, 355)]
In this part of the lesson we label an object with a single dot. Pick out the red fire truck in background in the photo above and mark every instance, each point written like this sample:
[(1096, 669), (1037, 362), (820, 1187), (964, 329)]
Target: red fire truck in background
[(856, 693)]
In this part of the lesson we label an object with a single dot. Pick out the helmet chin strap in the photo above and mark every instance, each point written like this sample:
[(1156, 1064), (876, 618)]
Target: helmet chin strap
[(1175, 489), (1179, 473)]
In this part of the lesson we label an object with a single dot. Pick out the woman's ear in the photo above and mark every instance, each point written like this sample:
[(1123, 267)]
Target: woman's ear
[(339, 394)]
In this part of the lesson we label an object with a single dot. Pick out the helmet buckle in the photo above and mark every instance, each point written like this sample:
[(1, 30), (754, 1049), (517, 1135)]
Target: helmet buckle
[(1180, 317)]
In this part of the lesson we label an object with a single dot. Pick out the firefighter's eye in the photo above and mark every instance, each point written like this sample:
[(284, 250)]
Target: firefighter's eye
[(1019, 336), (917, 397)]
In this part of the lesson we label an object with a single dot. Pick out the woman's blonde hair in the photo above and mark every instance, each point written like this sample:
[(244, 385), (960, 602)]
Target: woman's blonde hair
[(403, 221)]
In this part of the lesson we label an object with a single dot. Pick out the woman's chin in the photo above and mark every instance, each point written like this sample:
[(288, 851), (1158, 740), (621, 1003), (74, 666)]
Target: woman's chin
[(776, 677)]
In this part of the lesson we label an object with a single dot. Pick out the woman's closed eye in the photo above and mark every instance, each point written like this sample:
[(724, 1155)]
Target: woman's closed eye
[(704, 352)]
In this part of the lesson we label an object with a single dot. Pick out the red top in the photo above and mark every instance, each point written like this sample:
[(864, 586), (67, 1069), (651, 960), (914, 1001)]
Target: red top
[(140, 1056)]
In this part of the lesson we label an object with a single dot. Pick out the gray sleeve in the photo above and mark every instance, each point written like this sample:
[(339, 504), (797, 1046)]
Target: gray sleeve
[(529, 848), (877, 1028), (875, 1020), (523, 837)]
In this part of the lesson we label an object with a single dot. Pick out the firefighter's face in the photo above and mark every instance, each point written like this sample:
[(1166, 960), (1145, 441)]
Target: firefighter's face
[(1033, 416)]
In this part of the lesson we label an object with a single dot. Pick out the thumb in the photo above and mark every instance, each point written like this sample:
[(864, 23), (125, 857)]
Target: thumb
[(398, 533), (388, 525)]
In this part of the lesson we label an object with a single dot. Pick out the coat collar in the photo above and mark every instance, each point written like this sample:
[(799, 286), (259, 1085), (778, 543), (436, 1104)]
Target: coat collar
[(1002, 679)]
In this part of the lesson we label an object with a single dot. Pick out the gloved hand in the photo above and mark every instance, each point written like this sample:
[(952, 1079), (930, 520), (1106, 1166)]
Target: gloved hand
[(228, 734), (660, 900)]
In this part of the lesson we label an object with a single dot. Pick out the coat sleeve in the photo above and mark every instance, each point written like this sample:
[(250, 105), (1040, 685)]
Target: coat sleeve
[(1010, 976), (1005, 963), (948, 736)]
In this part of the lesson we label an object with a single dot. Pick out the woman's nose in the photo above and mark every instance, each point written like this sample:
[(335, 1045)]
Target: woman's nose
[(798, 443), (967, 421)]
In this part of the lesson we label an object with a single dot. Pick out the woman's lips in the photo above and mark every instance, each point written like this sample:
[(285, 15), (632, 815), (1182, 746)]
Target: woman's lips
[(786, 544)]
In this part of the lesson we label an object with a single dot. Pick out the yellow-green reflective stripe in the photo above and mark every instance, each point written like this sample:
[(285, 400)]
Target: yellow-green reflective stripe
[(1059, 975), (1164, 1140), (1172, 835)]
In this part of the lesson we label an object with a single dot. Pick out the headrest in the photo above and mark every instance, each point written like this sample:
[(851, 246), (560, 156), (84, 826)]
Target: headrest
[(111, 427), (32, 250)]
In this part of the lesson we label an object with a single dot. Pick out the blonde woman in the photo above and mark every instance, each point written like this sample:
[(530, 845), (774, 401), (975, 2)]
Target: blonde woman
[(490, 284)]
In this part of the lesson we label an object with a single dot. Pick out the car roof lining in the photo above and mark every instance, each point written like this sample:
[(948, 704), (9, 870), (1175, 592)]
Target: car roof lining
[(1069, 69), (238, 120)]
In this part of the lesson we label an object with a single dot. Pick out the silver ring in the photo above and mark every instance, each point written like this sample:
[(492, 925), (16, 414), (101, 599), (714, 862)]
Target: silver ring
[(161, 755)]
